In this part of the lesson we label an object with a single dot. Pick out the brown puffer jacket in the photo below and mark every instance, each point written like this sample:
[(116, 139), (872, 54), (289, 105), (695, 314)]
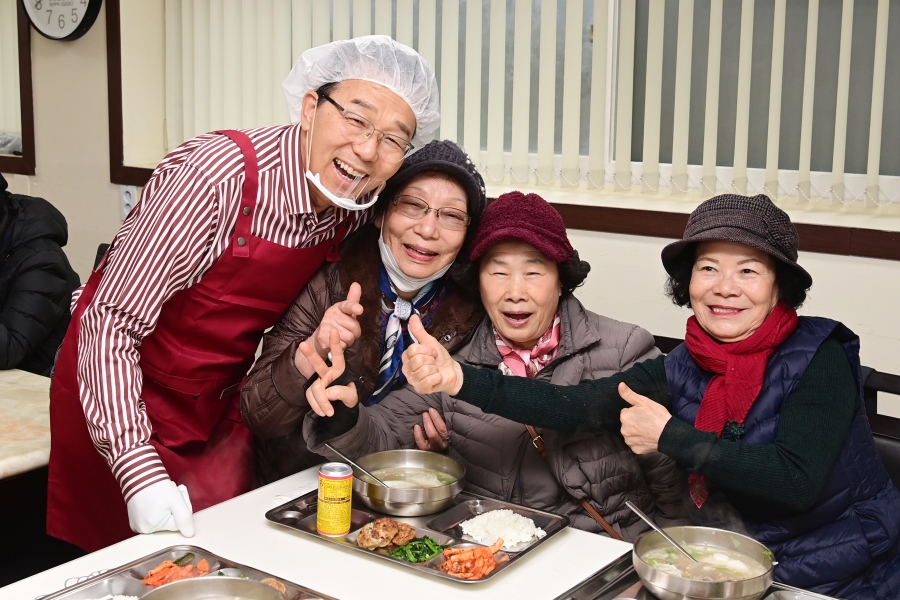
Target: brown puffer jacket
[(498, 454), (273, 399)]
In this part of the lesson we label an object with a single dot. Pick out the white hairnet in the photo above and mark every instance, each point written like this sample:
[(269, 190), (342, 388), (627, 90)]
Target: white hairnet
[(375, 58)]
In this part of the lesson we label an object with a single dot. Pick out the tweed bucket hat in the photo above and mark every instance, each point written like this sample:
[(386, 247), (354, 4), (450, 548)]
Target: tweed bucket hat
[(751, 220)]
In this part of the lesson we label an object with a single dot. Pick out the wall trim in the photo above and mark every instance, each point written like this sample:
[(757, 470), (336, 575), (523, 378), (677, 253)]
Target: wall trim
[(826, 239), (25, 164), (118, 172)]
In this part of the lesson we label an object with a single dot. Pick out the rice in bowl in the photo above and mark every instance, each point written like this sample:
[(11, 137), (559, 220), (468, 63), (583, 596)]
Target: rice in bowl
[(513, 528)]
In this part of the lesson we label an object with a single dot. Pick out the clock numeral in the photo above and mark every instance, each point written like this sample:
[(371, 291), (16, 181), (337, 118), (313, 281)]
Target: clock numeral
[(49, 16), (38, 5), (62, 21), (74, 15), (84, 2)]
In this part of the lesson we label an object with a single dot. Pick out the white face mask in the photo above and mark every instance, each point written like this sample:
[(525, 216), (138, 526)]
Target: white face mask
[(347, 203), (400, 280), (346, 196)]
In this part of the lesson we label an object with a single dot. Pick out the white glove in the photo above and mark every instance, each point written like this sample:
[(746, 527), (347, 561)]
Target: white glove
[(160, 507)]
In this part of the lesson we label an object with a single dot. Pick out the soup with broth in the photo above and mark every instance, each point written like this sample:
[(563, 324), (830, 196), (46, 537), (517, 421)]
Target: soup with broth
[(713, 563), (413, 477)]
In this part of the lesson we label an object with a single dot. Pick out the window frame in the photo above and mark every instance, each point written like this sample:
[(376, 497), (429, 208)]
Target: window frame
[(119, 172), (846, 241), (25, 164)]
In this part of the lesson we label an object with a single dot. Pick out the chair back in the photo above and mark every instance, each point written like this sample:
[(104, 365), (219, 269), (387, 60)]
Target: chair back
[(885, 429)]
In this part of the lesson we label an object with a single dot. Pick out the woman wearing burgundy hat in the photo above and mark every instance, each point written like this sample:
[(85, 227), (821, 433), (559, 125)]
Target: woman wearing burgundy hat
[(427, 214), (762, 408), (525, 269)]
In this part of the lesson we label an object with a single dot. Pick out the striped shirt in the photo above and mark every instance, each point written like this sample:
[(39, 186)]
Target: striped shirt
[(181, 226)]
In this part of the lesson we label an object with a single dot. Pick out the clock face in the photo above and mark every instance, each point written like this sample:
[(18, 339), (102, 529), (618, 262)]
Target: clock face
[(62, 19)]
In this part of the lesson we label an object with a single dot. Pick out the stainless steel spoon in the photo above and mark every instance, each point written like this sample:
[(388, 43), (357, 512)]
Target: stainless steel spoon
[(356, 466), (647, 520)]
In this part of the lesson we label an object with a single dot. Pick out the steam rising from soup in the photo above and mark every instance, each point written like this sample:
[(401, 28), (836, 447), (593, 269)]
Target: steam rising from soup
[(413, 477)]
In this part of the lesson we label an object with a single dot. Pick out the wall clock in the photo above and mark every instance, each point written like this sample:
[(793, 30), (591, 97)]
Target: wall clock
[(62, 19)]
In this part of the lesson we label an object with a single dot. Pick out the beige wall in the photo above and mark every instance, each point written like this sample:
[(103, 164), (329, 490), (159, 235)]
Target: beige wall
[(626, 281)]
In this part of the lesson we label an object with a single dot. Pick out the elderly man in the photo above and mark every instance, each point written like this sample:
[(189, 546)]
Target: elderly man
[(227, 233)]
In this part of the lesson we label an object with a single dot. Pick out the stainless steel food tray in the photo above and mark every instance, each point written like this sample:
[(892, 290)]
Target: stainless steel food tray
[(126, 580), (619, 581), (443, 527)]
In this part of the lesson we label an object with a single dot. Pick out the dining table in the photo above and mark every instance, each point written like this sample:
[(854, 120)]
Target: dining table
[(238, 530), (571, 565), (24, 422)]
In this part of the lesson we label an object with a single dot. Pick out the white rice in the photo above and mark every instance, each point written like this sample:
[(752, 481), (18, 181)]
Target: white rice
[(512, 527)]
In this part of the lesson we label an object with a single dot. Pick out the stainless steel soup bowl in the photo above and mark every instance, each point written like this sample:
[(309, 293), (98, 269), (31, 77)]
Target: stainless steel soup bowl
[(214, 587), (672, 587), (408, 502)]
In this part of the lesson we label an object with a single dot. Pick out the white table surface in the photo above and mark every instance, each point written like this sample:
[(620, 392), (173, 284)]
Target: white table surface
[(24, 422), (238, 530)]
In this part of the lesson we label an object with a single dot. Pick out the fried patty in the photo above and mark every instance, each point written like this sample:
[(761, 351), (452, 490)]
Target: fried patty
[(405, 535), (377, 534)]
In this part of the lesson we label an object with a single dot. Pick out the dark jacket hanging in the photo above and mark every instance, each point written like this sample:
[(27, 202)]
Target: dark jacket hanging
[(36, 282)]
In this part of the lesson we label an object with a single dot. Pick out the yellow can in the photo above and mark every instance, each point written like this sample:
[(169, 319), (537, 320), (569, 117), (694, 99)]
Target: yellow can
[(335, 492)]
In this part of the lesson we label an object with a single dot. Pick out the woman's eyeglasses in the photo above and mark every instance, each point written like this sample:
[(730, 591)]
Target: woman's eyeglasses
[(416, 208), (357, 127)]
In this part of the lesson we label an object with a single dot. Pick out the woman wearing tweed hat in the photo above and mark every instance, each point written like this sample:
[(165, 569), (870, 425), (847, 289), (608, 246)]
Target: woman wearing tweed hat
[(761, 408), (525, 270), (389, 270)]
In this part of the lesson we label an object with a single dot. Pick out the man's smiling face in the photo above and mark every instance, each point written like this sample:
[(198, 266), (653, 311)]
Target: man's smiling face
[(339, 157)]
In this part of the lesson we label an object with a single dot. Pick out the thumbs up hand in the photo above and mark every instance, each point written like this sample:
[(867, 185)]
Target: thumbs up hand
[(428, 367), (340, 317), (643, 422)]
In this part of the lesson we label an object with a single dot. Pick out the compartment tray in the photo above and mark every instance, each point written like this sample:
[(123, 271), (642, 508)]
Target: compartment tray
[(300, 514), (126, 579)]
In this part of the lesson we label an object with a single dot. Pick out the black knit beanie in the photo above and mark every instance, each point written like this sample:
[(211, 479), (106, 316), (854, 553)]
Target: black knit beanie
[(442, 156)]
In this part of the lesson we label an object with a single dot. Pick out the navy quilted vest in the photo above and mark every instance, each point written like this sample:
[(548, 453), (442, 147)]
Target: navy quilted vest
[(847, 542)]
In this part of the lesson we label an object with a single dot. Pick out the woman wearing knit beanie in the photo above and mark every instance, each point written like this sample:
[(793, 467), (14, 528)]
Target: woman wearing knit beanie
[(534, 327), (388, 271)]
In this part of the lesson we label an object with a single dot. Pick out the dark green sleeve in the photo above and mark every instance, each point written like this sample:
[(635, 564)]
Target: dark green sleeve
[(589, 406), (792, 471)]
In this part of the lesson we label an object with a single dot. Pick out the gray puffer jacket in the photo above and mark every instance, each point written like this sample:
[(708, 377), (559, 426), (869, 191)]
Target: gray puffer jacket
[(500, 459)]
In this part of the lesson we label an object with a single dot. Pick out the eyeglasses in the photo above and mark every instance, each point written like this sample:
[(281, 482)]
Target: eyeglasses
[(357, 127), (416, 208)]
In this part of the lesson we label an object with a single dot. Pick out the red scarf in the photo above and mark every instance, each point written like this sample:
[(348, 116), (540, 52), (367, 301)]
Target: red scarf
[(738, 371)]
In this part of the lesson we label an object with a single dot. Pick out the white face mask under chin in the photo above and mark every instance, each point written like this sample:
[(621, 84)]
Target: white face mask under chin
[(400, 280), (345, 203)]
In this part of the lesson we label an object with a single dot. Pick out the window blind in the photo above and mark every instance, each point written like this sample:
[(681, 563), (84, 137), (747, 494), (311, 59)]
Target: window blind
[(652, 97)]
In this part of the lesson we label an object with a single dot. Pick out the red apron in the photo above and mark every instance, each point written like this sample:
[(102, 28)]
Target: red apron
[(202, 346)]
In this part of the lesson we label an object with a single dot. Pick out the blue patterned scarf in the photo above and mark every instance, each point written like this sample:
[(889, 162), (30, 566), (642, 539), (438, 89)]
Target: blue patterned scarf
[(395, 334)]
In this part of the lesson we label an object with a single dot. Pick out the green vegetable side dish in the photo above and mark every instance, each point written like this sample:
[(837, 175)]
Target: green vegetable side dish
[(417, 551)]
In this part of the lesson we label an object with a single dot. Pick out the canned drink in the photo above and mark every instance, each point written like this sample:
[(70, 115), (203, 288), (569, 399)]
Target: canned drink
[(335, 491)]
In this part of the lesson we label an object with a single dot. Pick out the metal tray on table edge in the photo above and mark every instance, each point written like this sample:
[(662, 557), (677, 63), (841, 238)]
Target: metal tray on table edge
[(126, 579), (300, 514), (619, 581)]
